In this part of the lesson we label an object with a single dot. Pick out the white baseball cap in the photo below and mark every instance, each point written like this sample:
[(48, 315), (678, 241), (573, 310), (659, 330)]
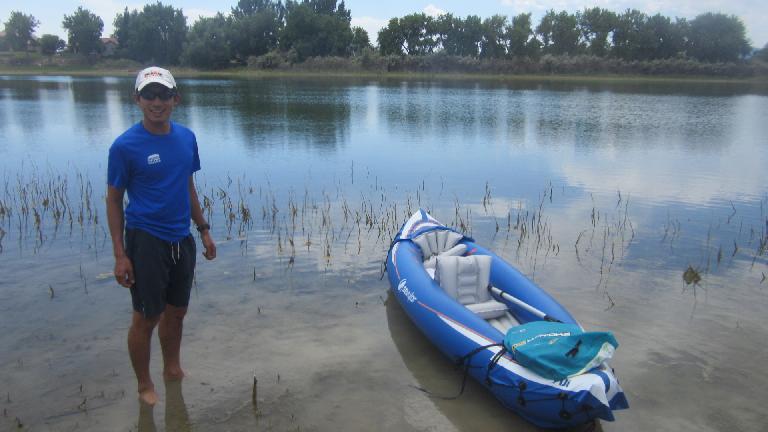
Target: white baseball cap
[(154, 74)]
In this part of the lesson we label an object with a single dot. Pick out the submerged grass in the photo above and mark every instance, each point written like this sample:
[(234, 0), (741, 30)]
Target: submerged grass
[(37, 207)]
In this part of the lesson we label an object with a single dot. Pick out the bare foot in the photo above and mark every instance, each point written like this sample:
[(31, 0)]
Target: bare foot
[(148, 396), (174, 374)]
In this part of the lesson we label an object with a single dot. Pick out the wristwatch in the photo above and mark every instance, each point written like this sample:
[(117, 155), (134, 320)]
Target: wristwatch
[(203, 227)]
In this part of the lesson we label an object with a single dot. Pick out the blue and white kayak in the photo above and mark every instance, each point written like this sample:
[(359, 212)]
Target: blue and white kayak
[(464, 299)]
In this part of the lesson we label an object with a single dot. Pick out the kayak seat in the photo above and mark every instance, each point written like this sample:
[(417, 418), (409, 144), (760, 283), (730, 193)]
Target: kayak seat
[(457, 250), (433, 243), (466, 279)]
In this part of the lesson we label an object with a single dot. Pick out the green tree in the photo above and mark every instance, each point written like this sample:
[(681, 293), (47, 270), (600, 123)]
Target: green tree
[(716, 37), (565, 34), (255, 27), (156, 34), (83, 31), (545, 30), (253, 7), (461, 37), (360, 41), (206, 46), (417, 32), (559, 33), (446, 29), (494, 43), (628, 34), (126, 28), (391, 38), (664, 38), (521, 40), (640, 37), (471, 36), (762, 55), (596, 24), (49, 44), (317, 28), (19, 30)]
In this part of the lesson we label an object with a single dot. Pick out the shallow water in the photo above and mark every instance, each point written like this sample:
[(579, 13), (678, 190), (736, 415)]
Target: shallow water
[(604, 194)]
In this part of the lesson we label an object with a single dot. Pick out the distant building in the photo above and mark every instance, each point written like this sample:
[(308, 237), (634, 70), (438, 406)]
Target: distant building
[(109, 46)]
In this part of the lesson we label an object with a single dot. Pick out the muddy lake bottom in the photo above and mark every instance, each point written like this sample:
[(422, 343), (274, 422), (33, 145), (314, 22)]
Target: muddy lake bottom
[(331, 350)]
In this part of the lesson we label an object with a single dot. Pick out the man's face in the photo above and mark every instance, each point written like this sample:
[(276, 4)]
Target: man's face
[(157, 102)]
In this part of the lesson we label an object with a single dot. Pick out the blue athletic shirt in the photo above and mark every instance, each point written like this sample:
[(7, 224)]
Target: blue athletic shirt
[(154, 170)]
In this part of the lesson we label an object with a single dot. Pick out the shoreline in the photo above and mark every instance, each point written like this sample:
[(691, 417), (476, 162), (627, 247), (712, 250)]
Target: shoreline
[(436, 76)]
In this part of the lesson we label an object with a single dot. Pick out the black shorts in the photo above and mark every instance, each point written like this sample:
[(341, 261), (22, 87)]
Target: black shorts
[(163, 271)]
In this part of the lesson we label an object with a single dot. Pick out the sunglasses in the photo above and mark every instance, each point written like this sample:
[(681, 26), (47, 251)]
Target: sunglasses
[(151, 93)]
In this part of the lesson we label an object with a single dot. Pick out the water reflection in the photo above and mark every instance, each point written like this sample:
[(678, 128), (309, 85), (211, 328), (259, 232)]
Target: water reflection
[(176, 415), (146, 418), (86, 91), (32, 89), (272, 113)]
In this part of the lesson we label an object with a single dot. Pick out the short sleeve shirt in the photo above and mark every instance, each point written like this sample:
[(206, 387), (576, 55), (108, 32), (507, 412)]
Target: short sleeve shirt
[(154, 170)]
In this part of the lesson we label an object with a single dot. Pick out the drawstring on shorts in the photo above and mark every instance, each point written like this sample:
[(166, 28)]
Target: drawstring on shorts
[(176, 255)]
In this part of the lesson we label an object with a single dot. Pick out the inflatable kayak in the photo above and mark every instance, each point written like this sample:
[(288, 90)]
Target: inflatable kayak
[(465, 299)]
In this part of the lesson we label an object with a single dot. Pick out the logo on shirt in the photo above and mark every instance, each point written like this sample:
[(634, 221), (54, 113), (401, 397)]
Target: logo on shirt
[(153, 159)]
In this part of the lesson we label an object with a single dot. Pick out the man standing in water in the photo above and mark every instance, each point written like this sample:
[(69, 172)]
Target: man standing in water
[(154, 161)]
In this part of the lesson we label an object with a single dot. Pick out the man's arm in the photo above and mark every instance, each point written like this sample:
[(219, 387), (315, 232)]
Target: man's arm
[(199, 219), (116, 221)]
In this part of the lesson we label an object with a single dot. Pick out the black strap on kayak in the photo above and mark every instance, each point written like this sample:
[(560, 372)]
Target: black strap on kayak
[(465, 361), (494, 362)]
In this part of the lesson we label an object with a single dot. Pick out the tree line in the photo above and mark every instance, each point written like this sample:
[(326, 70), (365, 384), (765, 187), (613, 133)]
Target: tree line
[(159, 33), (298, 30), (631, 35)]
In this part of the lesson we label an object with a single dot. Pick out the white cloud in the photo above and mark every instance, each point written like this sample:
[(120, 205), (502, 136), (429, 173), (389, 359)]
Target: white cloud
[(433, 10)]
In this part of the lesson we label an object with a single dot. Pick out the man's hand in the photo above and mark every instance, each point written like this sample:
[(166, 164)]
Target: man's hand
[(208, 244), (124, 271)]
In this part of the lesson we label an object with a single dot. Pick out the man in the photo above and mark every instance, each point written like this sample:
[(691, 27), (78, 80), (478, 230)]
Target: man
[(154, 162)]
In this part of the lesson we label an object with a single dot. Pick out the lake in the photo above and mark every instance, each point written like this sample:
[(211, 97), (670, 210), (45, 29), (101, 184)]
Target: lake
[(649, 201)]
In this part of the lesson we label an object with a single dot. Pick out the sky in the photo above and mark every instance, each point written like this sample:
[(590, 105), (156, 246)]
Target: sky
[(373, 15)]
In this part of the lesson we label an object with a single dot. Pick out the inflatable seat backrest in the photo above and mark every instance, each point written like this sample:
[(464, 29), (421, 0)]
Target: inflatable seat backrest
[(465, 278), (457, 250), (435, 242)]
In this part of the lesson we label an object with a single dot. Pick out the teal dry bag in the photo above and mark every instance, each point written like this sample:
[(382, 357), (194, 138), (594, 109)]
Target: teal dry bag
[(557, 350)]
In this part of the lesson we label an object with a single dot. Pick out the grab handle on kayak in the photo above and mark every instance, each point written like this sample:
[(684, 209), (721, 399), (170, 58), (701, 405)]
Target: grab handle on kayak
[(521, 304)]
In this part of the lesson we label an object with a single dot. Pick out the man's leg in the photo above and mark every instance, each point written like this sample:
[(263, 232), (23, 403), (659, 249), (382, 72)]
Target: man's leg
[(139, 345), (170, 329)]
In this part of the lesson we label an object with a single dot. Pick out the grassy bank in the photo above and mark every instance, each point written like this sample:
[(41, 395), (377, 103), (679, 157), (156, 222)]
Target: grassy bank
[(580, 69)]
